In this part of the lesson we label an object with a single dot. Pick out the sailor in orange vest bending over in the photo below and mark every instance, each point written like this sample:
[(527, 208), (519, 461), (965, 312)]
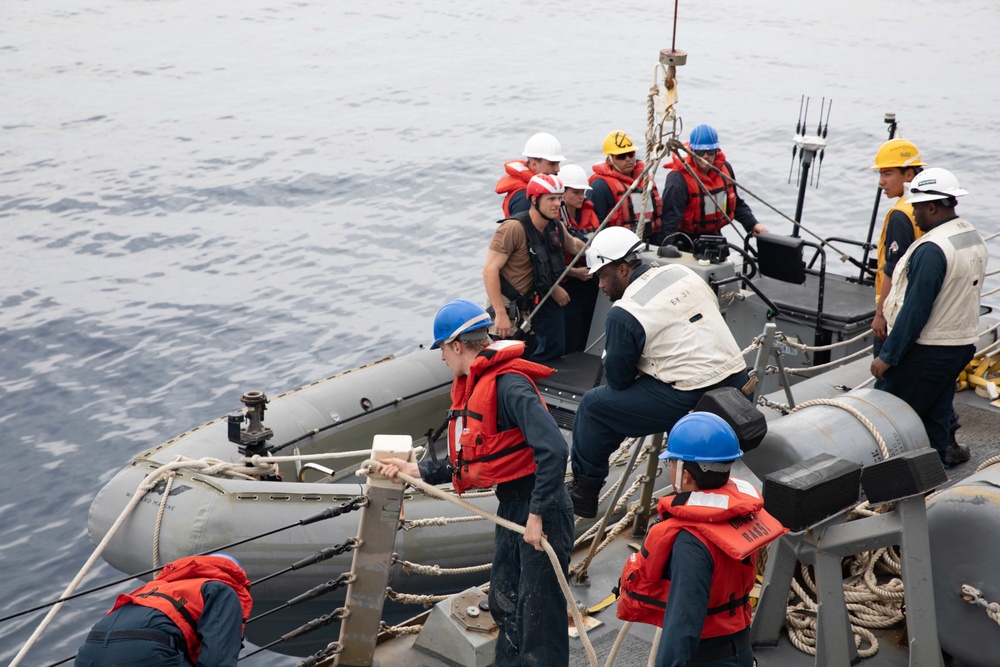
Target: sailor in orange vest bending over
[(542, 154), (500, 434), (191, 613), (696, 568)]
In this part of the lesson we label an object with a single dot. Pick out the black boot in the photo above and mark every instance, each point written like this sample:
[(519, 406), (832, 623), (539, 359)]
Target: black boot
[(955, 453), (585, 493)]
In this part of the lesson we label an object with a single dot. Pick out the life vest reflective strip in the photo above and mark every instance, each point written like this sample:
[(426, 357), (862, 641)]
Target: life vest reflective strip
[(515, 180), (733, 526), (906, 208), (704, 211), (176, 592), (626, 215), (480, 455)]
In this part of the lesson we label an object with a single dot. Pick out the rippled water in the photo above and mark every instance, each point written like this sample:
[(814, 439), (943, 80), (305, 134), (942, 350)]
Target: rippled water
[(203, 198)]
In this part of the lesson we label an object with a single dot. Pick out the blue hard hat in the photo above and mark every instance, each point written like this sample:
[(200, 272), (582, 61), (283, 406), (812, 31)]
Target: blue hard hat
[(704, 138), (227, 557), (702, 437), (458, 317)]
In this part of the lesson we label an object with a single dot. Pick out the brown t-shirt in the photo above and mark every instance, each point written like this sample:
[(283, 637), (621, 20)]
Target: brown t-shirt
[(509, 239)]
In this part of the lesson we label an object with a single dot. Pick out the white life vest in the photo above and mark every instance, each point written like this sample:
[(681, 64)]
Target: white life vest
[(688, 343), (954, 319)]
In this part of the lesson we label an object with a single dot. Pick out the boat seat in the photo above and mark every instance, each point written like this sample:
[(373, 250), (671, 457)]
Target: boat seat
[(575, 374), (845, 303)]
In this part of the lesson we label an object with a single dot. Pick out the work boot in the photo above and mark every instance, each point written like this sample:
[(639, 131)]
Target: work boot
[(955, 453), (584, 493)]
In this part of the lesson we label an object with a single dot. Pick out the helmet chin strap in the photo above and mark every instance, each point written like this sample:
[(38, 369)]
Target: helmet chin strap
[(544, 217), (678, 475)]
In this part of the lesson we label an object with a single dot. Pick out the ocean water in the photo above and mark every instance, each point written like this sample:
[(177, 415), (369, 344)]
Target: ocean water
[(202, 198)]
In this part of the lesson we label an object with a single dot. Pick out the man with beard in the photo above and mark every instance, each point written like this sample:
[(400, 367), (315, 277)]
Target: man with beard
[(666, 345)]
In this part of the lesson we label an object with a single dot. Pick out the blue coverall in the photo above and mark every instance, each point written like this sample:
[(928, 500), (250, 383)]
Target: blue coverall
[(525, 598)]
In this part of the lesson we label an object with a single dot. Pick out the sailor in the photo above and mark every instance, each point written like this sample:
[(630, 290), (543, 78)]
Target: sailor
[(501, 434), (612, 178), (191, 614), (580, 220), (666, 345), (693, 207), (542, 153), (526, 257), (697, 565), (932, 310), (897, 162)]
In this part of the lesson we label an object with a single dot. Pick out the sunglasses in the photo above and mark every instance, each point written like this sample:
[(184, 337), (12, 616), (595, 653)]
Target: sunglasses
[(709, 153), (625, 156)]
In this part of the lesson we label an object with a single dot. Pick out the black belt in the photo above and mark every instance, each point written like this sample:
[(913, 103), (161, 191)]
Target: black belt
[(722, 651), (148, 635)]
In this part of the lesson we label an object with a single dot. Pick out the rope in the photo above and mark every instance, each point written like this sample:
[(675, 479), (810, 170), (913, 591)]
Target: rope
[(159, 518), (617, 528), (992, 291), (370, 467), (857, 415), (400, 630), (836, 362), (146, 485), (438, 521), (974, 596), (988, 462), (437, 570), (405, 598), (823, 348)]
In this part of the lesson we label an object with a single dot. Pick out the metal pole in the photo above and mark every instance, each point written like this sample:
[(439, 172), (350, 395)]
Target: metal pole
[(372, 559), (807, 157), (646, 494)]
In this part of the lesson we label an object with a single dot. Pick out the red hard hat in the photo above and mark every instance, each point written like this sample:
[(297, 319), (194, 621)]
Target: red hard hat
[(544, 184)]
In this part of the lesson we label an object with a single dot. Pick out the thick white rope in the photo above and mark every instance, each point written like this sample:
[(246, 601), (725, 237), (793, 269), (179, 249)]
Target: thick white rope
[(369, 468), (823, 348), (438, 521), (437, 570), (147, 484), (159, 518), (857, 415), (836, 362)]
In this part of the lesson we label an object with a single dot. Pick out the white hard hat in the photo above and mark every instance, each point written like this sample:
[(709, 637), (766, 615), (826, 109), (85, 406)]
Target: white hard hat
[(932, 184), (611, 245), (573, 176), (545, 146)]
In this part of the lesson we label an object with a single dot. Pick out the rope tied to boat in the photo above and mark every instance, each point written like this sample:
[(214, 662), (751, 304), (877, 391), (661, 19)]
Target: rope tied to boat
[(973, 595), (855, 413), (370, 467)]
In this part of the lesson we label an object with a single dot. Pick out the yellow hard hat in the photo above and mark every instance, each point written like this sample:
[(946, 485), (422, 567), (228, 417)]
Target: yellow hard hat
[(897, 153), (617, 143)]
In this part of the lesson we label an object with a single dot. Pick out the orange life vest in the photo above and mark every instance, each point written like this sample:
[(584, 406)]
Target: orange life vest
[(515, 180), (479, 455), (588, 221), (626, 216), (732, 524), (703, 213), (176, 592)]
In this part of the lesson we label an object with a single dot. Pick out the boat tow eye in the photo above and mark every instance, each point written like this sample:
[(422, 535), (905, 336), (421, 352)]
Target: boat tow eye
[(252, 439)]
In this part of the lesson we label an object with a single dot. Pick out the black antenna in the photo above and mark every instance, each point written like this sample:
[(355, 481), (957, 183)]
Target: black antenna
[(798, 131), (822, 152)]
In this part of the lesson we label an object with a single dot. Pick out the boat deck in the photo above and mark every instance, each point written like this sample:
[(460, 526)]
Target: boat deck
[(978, 418)]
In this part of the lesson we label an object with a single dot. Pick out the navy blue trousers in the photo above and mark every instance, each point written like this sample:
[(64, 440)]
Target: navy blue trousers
[(549, 327), (607, 416), (925, 379), (525, 598)]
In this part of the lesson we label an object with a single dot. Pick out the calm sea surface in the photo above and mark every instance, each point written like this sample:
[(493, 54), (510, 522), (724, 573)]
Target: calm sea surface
[(201, 198)]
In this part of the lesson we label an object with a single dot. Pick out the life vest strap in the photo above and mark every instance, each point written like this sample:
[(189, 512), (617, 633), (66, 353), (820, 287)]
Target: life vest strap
[(464, 412), (732, 606), (179, 605), (496, 455)]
